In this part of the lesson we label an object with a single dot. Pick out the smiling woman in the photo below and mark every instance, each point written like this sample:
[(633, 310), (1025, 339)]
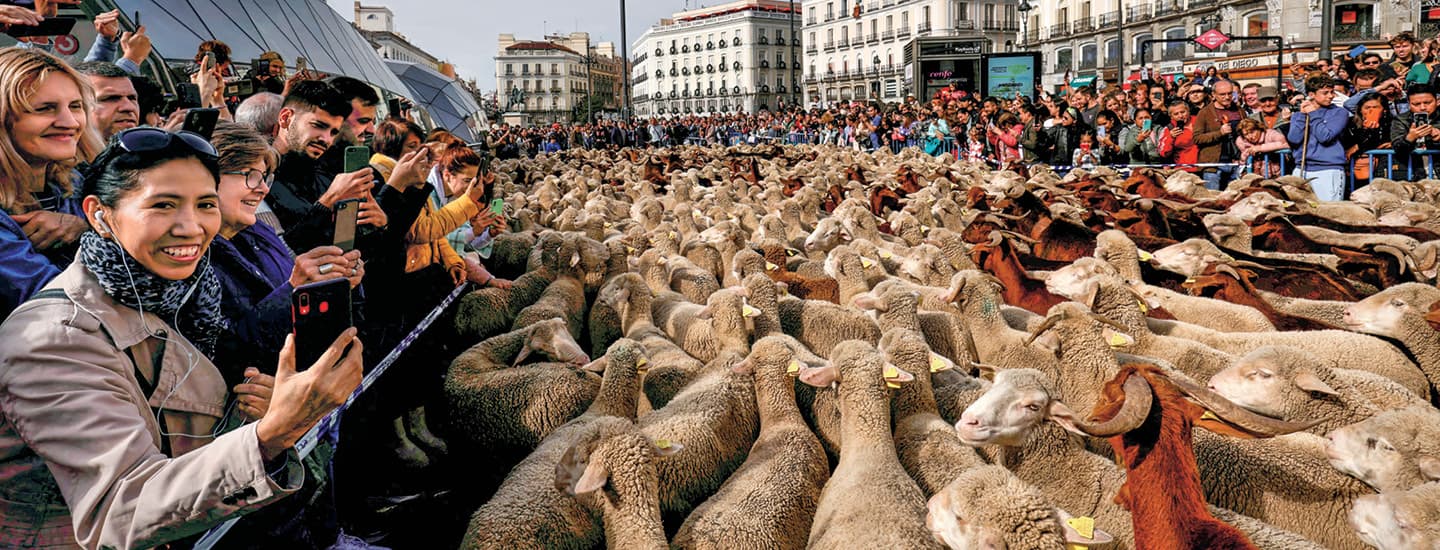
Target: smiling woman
[(104, 375), (45, 107)]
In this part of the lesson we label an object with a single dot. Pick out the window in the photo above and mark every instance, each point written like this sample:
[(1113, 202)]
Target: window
[(874, 26), (1084, 10), (812, 39), (509, 68), (889, 23), (811, 16), (1112, 52), (1087, 56), (829, 11), (844, 34), (1064, 60), (925, 16), (1257, 24), (554, 68), (990, 13), (962, 11), (905, 19)]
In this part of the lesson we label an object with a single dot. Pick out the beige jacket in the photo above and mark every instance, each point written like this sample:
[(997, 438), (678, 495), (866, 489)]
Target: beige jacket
[(78, 434)]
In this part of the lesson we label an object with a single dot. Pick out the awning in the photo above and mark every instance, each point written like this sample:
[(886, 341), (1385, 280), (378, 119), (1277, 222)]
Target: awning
[(1082, 81), (294, 28), (449, 104)]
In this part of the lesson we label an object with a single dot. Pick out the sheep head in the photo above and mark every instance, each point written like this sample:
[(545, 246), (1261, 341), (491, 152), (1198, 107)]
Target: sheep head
[(1018, 401), (988, 507), (1280, 382), (552, 339), (1391, 451), (1409, 519), (1387, 312), (614, 462)]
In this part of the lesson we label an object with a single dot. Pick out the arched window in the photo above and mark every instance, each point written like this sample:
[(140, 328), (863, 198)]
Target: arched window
[(1140, 39), (1174, 50), (1087, 56), (1112, 53), (1064, 60), (1256, 23)]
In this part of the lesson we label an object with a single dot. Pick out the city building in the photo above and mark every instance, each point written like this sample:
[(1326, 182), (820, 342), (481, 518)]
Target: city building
[(553, 77), (377, 24), (739, 56), (887, 49), (1087, 39)]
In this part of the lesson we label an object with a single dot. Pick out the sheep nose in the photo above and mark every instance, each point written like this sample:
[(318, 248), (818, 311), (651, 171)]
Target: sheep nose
[(969, 420)]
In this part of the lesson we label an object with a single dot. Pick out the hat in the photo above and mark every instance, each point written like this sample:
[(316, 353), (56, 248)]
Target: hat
[(1267, 91)]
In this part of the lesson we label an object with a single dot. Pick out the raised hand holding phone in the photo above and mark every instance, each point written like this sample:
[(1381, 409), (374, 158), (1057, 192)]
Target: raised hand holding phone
[(302, 398)]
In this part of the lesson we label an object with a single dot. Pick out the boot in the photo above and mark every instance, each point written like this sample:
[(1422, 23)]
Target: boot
[(420, 433), (409, 454)]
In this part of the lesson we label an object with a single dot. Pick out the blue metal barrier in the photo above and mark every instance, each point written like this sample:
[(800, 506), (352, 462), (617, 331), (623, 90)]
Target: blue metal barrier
[(1281, 158)]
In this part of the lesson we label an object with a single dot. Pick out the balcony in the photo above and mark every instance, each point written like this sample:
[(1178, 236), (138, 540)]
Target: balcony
[(810, 49), (1109, 20), (829, 17), (965, 24), (1202, 4), (903, 32), (1357, 32), (923, 28), (844, 43), (809, 21), (1138, 13), (1031, 36), (872, 6), (829, 46), (1001, 25), (1062, 29), (1084, 25), (1167, 8), (887, 35), (1087, 64), (872, 38), (556, 90)]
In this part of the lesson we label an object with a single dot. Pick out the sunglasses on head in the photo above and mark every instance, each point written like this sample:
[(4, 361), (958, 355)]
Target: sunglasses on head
[(147, 139)]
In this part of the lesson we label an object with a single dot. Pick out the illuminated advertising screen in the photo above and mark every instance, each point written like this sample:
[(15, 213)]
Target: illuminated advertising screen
[(1010, 74)]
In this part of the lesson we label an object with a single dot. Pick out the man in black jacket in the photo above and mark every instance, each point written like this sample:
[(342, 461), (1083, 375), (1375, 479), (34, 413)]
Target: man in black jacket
[(1415, 130)]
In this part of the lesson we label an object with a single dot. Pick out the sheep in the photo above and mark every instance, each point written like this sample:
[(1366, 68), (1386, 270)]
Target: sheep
[(511, 253), (616, 479), (977, 295), (489, 311), (1341, 348), (848, 269), (926, 444), (1328, 312), (894, 305), (528, 510), (888, 515), (604, 323), (716, 416), (563, 299), (674, 368), (770, 500), (1292, 384), (987, 507), (494, 405), (722, 325), (1399, 312), (823, 325), (1188, 310), (1408, 519), (1394, 450), (1232, 232), (696, 284)]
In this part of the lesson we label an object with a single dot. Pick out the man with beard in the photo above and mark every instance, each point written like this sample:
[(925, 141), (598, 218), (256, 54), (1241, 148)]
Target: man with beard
[(117, 105), (359, 127), (303, 197)]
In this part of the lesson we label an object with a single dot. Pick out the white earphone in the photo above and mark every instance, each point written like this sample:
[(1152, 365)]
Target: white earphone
[(100, 222)]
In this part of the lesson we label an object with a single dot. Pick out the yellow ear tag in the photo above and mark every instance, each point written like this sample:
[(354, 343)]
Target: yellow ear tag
[(1286, 204), (1145, 256), (924, 229), (891, 372), (642, 362), (1189, 280), (672, 234), (791, 252), (749, 311), (607, 225), (1312, 203), (1118, 341), (885, 255), (936, 365), (1143, 308), (1210, 416), (1083, 526), (629, 250), (662, 443), (771, 267), (866, 263), (793, 367)]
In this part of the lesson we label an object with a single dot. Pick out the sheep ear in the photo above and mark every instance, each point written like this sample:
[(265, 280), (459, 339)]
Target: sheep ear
[(1116, 339), (1049, 341), (665, 447), (745, 366), (571, 468), (1081, 531), (1429, 467), (866, 300), (1307, 381), (575, 259), (593, 479), (1091, 294), (622, 296), (986, 371), (820, 377), (524, 352), (1062, 416), (704, 314), (941, 517)]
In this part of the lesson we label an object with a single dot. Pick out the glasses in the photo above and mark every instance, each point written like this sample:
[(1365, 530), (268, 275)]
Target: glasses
[(253, 177), (147, 139)]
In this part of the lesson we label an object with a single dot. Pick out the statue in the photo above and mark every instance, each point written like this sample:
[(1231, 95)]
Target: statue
[(517, 97)]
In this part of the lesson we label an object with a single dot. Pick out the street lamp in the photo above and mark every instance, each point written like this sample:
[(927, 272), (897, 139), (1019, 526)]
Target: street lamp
[(1024, 8)]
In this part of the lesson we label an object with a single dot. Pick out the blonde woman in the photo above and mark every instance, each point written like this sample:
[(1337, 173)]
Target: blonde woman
[(46, 108)]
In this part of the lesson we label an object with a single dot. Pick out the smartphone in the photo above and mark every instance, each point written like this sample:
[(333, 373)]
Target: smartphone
[(1100, 132), (240, 88), (1357, 51), (300, 63), (321, 311), (188, 95), (210, 60), (256, 64), (136, 20), (356, 157), (201, 121), (1145, 125), (497, 207), (1422, 119), (51, 26), (394, 106), (346, 212)]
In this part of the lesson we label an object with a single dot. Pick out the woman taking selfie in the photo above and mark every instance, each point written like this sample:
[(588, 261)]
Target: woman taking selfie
[(104, 378), (46, 109)]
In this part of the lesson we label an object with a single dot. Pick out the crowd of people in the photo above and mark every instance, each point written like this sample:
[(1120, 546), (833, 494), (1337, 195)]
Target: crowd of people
[(1329, 116), (149, 382)]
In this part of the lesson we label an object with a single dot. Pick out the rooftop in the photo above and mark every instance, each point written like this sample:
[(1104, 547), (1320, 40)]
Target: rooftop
[(538, 45)]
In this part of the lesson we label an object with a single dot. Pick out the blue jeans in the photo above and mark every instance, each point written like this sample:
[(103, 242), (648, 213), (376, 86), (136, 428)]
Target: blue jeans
[(1215, 178), (1329, 185)]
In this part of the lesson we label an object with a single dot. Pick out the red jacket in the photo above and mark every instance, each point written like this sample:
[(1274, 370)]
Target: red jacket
[(1181, 149)]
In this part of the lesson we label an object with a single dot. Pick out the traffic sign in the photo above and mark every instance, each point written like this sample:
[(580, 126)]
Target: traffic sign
[(1212, 39)]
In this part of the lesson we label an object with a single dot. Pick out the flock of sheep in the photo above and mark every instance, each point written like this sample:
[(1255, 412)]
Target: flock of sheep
[(808, 347)]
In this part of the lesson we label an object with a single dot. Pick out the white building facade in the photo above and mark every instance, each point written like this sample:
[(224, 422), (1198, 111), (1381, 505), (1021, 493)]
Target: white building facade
[(1090, 38), (735, 57), (377, 24), (886, 49), (550, 75)]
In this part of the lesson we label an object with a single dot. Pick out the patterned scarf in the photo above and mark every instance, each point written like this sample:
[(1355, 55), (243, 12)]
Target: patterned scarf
[(129, 283)]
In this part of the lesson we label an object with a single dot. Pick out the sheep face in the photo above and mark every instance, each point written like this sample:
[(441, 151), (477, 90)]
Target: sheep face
[(1398, 520), (990, 508), (956, 531), (1271, 383), (1075, 281), (1384, 313), (1018, 401), (1188, 258), (1388, 451), (827, 235), (552, 339)]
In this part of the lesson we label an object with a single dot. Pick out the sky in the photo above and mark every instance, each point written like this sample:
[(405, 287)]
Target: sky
[(465, 32)]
